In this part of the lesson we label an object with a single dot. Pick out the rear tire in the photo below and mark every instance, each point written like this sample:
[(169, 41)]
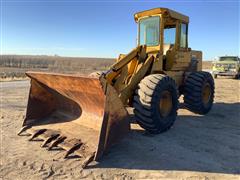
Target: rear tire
[(199, 92), (215, 76), (156, 103), (237, 76)]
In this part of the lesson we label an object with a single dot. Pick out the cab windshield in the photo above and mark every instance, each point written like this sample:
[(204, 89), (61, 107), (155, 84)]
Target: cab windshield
[(149, 31), (228, 58)]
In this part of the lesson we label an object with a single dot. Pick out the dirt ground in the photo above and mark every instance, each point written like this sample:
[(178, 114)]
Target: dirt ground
[(197, 147)]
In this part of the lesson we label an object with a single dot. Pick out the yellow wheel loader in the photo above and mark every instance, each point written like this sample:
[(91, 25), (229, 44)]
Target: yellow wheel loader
[(86, 115)]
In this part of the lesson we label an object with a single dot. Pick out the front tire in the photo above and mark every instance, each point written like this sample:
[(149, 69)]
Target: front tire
[(156, 103), (199, 92)]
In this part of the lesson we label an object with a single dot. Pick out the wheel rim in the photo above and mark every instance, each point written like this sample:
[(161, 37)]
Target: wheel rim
[(165, 104), (206, 93)]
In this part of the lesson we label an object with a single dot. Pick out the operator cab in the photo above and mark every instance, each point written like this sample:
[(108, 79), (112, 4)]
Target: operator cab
[(162, 29)]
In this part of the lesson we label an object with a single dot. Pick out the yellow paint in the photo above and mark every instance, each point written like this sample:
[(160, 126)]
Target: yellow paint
[(171, 60)]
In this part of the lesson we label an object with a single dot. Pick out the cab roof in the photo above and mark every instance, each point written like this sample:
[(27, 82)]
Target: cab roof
[(165, 11)]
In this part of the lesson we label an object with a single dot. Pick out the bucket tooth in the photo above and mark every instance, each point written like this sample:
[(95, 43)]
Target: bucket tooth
[(88, 159), (56, 142), (37, 133), (49, 139), (24, 128), (75, 147)]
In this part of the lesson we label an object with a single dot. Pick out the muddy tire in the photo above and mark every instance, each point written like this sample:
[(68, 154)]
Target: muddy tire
[(199, 92), (155, 103), (215, 76)]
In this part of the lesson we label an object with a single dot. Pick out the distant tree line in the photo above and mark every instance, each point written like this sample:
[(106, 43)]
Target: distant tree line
[(21, 61), (17, 65)]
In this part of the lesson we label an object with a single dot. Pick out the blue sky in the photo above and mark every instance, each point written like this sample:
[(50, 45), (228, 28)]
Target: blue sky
[(107, 28)]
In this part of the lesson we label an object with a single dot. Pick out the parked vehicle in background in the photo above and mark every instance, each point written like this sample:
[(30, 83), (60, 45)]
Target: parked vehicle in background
[(227, 66)]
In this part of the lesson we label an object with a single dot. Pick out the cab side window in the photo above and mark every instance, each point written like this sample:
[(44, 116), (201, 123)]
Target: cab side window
[(183, 36), (169, 35)]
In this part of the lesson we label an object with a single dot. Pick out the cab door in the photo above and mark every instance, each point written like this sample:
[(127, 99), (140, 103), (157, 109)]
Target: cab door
[(183, 57), (180, 57)]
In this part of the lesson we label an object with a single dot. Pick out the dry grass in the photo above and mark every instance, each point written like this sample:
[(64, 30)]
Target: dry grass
[(207, 64), (15, 66)]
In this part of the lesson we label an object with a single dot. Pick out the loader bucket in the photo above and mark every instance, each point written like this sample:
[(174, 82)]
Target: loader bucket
[(82, 115)]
